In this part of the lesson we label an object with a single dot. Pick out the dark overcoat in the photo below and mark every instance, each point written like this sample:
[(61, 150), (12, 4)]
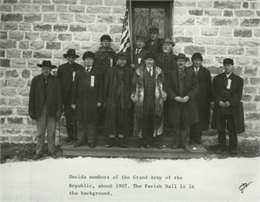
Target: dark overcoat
[(166, 63), (156, 48), (86, 96), (186, 110), (203, 98), (105, 58), (235, 102), (111, 90), (53, 99), (65, 75)]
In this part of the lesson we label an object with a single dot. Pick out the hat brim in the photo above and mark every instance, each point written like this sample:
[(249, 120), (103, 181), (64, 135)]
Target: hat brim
[(184, 58), (51, 66), (170, 42), (66, 55)]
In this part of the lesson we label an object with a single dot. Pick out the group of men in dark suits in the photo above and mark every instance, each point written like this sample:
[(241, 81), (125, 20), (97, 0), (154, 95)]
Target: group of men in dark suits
[(156, 86)]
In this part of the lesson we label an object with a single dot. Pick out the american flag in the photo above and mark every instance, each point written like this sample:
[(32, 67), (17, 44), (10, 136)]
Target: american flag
[(125, 38)]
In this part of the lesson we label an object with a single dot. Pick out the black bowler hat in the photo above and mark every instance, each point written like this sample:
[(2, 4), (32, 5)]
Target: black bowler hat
[(105, 37), (89, 54), (228, 61), (149, 55), (139, 37), (182, 56), (46, 63), (168, 40), (122, 55), (197, 56), (154, 30), (71, 52)]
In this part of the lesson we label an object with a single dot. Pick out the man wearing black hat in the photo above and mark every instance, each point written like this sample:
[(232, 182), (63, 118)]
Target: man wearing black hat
[(202, 98), (87, 95), (182, 87), (117, 100), (139, 51), (45, 106), (148, 96), (66, 73), (105, 58), (154, 44), (228, 111)]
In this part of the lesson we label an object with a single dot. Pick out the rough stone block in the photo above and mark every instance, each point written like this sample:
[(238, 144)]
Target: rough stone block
[(247, 98), (249, 107), (255, 81), (216, 50), (16, 83), (22, 111), (249, 89), (252, 52), (184, 39), (85, 18), (202, 21), (224, 22), (243, 61), (65, 37), (91, 2), (5, 111), (62, 8), (8, 91), (11, 17), (27, 54), (257, 98), (228, 13), (227, 5), (77, 28), (26, 73), (243, 32), (213, 13), (48, 36), (250, 23), (16, 35), (13, 53), (209, 31), (180, 11), (60, 27), (42, 54), (192, 31), (4, 62), (48, 8), (226, 32), (98, 9), (66, 18), (244, 13), (50, 17), (65, 1), (3, 101), (36, 45), (89, 46), (2, 53), (115, 29), (203, 41), (255, 5), (82, 36), (97, 28), (235, 51), (256, 61), (24, 91), (226, 41), (10, 1), (8, 44), (184, 21), (77, 9), (32, 17), (205, 4), (31, 35), (14, 102), (258, 13), (193, 49), (257, 32), (251, 71), (53, 45), (5, 8), (176, 31), (253, 116), (12, 73), (184, 4), (106, 19), (26, 8), (245, 5), (118, 10), (10, 26), (41, 1), (196, 12), (15, 120), (25, 101), (249, 42), (25, 26), (68, 45), (23, 44), (42, 27), (3, 35)]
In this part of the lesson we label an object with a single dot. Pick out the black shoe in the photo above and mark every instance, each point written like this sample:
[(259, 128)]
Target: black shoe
[(54, 155), (198, 142), (122, 143), (111, 143), (77, 144), (233, 151), (175, 146), (37, 156), (220, 150), (92, 145), (69, 139)]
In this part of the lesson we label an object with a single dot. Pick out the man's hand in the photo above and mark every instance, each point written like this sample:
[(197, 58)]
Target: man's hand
[(222, 104), (99, 104), (178, 99), (134, 98), (227, 104), (132, 66), (73, 106), (58, 116), (185, 99)]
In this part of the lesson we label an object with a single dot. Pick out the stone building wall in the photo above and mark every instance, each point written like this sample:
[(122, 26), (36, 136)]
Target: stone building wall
[(36, 30)]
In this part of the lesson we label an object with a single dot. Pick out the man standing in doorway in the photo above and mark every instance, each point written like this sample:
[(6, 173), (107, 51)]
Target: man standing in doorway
[(154, 44)]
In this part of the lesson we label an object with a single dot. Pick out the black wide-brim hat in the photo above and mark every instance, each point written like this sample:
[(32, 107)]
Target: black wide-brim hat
[(71, 52), (182, 56), (149, 55), (106, 37), (122, 55), (88, 54), (46, 63), (139, 37), (154, 30), (197, 56)]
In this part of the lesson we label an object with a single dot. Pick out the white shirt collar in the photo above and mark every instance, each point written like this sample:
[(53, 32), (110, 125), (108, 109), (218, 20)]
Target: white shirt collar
[(86, 68), (227, 75)]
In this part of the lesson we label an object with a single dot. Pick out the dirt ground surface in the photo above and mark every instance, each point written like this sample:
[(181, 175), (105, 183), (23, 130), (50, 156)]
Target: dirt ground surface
[(11, 152)]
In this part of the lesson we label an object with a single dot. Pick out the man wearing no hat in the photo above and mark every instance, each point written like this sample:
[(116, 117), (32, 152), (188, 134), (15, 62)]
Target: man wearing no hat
[(227, 89), (66, 74), (45, 106), (87, 96)]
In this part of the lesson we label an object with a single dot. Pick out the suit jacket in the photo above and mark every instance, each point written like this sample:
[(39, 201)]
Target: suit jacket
[(65, 76), (154, 49), (140, 55), (235, 102), (86, 96), (166, 64), (187, 110), (53, 96), (203, 98)]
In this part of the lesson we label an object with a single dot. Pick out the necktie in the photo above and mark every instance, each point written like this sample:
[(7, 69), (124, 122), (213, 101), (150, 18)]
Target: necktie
[(150, 71), (197, 70), (137, 51)]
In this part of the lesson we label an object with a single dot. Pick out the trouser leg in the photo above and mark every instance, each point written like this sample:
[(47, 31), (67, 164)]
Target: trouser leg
[(41, 128), (185, 132), (51, 126), (71, 123), (91, 132), (193, 133), (222, 132), (81, 131), (232, 132)]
